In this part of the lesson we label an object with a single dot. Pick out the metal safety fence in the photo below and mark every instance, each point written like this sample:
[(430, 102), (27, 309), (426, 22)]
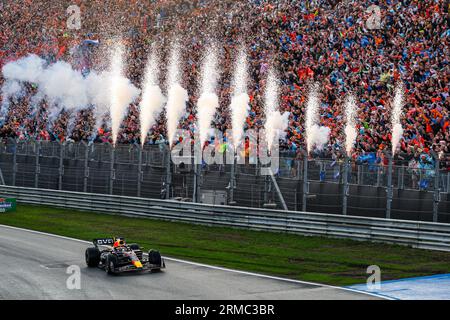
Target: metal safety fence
[(372, 189)]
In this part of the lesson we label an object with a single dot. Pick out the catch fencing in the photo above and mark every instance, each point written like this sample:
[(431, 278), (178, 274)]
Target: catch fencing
[(300, 184), (416, 234)]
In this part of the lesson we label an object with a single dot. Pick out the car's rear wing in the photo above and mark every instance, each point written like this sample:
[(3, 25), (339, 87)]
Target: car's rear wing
[(103, 242)]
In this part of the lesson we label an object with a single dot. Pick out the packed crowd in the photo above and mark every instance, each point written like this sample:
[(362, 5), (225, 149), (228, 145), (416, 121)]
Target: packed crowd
[(327, 41)]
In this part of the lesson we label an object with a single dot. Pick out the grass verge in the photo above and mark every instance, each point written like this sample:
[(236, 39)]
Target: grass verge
[(323, 260)]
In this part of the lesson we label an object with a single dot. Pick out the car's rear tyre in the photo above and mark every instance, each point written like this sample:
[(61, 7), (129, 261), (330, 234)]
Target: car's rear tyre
[(92, 256), (134, 247), (154, 258), (111, 264)]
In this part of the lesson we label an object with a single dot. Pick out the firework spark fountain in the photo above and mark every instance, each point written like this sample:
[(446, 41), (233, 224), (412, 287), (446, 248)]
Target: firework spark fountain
[(177, 95), (350, 126), (122, 92), (240, 100), (316, 136), (152, 98), (208, 101), (276, 123), (397, 109)]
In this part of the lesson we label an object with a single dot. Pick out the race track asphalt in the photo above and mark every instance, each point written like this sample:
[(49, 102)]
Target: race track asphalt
[(34, 265)]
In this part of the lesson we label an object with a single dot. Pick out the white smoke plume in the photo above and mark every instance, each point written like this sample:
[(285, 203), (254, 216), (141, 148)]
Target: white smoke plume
[(153, 100), (208, 101), (177, 95), (123, 92), (64, 88), (316, 136), (320, 136), (61, 86), (11, 89), (350, 126), (397, 129), (276, 123), (27, 69), (240, 100)]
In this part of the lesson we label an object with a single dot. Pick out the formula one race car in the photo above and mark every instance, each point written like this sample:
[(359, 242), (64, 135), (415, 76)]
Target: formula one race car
[(117, 257)]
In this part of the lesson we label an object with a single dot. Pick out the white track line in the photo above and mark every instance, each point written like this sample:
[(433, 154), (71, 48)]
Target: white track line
[(214, 267)]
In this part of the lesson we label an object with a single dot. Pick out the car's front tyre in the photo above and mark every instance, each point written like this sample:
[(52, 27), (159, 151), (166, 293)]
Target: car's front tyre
[(154, 258), (92, 257)]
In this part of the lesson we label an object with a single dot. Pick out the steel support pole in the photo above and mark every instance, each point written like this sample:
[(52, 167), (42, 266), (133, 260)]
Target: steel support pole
[(345, 189), (140, 173), (112, 175), (437, 190), (14, 169), (277, 188), (61, 166), (390, 190), (305, 180), (37, 168)]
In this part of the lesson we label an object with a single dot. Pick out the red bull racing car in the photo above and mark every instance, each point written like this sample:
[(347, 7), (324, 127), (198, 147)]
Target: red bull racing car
[(115, 256)]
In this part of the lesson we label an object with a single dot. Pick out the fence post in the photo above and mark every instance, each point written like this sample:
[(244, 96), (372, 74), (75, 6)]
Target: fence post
[(14, 171), (345, 186), (37, 168), (448, 182), (112, 175), (378, 175), (86, 168), (359, 174), (140, 173), (195, 187), (61, 165), (232, 179), (197, 160), (265, 197), (168, 173), (401, 178), (389, 187), (305, 180), (437, 190)]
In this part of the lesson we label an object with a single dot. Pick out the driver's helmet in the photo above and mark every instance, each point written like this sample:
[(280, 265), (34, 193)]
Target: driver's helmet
[(119, 242)]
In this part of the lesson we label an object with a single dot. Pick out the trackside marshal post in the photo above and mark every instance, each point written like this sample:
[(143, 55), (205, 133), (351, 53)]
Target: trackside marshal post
[(7, 205)]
